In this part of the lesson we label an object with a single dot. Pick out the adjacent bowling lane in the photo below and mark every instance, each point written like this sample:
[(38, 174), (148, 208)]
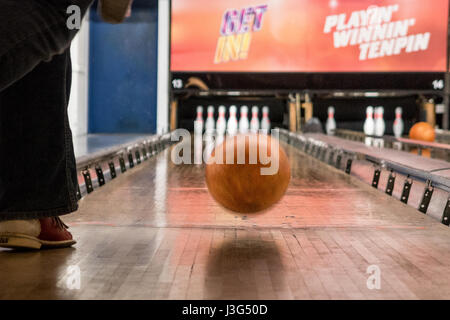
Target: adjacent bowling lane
[(155, 233)]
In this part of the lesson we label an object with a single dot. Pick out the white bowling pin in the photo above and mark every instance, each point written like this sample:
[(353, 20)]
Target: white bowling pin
[(209, 124), (330, 126), (265, 122), (198, 124), (376, 114), (398, 123), (380, 126), (221, 125), (243, 120), (232, 124), (369, 124), (254, 123)]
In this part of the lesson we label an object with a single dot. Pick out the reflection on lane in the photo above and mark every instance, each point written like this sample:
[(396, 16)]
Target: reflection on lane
[(160, 190)]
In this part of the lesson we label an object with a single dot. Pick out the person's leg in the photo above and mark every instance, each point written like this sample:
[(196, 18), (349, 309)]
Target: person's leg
[(37, 166), (37, 162), (39, 181)]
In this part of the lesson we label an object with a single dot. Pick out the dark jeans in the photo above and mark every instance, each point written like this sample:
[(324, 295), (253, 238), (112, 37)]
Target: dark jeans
[(38, 175)]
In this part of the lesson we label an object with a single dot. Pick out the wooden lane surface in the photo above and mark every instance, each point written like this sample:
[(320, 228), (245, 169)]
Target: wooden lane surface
[(155, 233)]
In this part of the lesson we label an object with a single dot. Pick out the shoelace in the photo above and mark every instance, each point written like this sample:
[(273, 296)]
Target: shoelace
[(59, 223)]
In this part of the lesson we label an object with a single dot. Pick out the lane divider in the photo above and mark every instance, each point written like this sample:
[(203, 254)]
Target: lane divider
[(97, 170)]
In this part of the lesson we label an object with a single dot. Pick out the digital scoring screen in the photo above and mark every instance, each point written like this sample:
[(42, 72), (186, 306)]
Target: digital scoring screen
[(309, 36)]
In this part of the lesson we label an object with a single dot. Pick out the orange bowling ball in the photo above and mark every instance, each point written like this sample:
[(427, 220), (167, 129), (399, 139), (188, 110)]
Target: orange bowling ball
[(248, 173), (422, 131)]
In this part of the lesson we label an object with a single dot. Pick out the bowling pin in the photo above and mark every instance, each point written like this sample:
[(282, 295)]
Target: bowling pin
[(243, 120), (198, 124), (198, 147), (398, 123), (330, 126), (232, 124), (265, 122), (369, 125), (221, 124), (254, 123), (209, 125), (380, 126)]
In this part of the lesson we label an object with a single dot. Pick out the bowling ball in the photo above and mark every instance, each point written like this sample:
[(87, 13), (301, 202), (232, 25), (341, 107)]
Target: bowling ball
[(245, 180), (422, 131)]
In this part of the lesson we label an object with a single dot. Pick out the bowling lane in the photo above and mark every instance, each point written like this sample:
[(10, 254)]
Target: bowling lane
[(155, 233), (161, 194)]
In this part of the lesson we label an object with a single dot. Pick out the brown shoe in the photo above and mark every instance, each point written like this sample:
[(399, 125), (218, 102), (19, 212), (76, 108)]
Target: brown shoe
[(35, 234)]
